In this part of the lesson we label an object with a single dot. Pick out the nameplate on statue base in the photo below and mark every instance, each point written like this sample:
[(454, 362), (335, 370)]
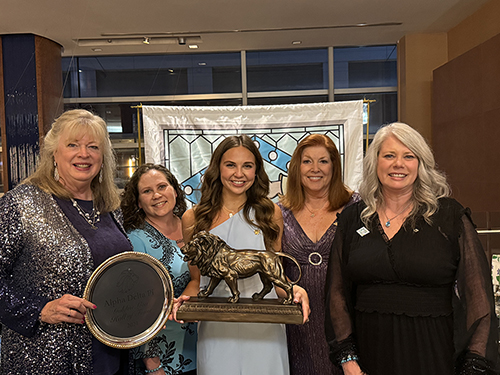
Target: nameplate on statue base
[(245, 310)]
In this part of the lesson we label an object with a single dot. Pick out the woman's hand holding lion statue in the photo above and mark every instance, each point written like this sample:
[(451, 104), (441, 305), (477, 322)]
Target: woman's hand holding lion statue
[(215, 259)]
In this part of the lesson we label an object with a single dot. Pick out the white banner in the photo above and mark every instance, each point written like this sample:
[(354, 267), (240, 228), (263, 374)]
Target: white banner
[(183, 138)]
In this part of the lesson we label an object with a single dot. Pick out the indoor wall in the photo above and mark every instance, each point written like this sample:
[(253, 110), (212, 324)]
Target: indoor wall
[(466, 133)]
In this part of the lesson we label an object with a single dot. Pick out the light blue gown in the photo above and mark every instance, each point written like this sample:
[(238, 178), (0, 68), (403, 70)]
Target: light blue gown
[(176, 344), (241, 348)]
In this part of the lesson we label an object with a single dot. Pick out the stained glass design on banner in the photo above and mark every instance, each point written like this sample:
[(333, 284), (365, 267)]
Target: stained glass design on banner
[(188, 152)]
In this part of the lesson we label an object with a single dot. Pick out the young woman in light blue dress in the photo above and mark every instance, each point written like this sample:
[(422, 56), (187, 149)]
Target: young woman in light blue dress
[(152, 205), (235, 207)]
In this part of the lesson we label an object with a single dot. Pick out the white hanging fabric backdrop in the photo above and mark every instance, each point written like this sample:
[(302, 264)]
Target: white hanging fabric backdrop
[(183, 138)]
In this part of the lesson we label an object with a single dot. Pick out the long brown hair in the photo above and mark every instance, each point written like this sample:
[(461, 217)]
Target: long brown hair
[(338, 196), (133, 216), (211, 192)]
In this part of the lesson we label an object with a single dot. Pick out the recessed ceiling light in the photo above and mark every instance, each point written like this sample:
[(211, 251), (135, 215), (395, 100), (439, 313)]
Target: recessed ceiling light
[(202, 63), (297, 42), (97, 49), (193, 46)]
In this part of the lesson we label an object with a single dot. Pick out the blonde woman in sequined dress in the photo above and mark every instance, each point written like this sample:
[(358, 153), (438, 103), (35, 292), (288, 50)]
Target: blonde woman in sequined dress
[(57, 227)]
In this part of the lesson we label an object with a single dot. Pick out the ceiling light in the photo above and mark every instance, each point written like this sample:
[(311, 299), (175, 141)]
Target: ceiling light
[(193, 46), (202, 63), (136, 41), (97, 49), (297, 42)]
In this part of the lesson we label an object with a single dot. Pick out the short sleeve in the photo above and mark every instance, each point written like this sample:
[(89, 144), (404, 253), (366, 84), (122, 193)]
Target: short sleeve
[(137, 242)]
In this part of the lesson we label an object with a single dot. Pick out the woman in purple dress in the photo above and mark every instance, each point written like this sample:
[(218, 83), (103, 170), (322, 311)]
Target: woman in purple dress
[(315, 196)]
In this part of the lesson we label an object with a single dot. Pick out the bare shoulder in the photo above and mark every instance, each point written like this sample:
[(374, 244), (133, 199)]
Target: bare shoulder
[(277, 213), (188, 217), (278, 219), (187, 225)]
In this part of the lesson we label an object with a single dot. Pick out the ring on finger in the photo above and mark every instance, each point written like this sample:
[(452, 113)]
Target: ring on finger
[(69, 314)]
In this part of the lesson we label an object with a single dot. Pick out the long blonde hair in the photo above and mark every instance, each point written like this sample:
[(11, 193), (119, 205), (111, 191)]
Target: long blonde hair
[(78, 122), (429, 186)]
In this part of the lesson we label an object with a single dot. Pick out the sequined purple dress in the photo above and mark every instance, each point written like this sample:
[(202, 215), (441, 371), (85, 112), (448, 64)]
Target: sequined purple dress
[(307, 346)]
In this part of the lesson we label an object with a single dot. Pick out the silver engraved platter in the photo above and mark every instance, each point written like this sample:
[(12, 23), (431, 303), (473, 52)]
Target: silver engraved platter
[(133, 293)]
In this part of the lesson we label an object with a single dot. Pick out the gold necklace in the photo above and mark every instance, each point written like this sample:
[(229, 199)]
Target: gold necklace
[(318, 210), (229, 212), (388, 222)]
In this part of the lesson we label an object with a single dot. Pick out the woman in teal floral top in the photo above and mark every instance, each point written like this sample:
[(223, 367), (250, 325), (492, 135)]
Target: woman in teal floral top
[(152, 205)]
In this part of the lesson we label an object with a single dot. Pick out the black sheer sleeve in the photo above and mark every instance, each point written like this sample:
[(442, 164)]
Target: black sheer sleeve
[(476, 325), (338, 304)]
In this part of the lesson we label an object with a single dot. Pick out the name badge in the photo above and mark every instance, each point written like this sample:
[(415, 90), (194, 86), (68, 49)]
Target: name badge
[(363, 231)]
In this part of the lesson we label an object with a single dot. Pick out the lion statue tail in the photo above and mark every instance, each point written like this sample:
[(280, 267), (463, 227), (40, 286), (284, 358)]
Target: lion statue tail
[(281, 254)]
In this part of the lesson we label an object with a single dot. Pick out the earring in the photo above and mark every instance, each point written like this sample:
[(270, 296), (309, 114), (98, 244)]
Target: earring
[(100, 175), (56, 172)]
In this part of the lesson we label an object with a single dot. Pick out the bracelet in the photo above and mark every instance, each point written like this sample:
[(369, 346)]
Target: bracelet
[(350, 357), (154, 370)]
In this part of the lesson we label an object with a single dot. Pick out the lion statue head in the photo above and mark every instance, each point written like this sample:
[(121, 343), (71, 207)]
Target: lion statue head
[(202, 249)]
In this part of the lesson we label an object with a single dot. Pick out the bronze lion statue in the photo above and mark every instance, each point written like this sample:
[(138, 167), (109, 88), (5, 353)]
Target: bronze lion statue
[(219, 261)]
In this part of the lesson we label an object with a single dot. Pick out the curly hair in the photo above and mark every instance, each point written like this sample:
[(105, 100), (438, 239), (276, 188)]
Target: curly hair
[(429, 186), (295, 196), (211, 192), (133, 216), (77, 123)]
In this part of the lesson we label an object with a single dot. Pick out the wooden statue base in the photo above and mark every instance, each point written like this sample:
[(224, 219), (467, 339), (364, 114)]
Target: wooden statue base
[(245, 310)]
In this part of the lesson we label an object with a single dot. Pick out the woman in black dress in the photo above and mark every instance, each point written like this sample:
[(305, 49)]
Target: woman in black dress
[(408, 283)]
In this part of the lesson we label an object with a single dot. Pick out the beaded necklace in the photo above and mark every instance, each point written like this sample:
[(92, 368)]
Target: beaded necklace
[(91, 218)]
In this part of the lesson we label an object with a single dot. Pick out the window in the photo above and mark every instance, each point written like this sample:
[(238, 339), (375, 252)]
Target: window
[(151, 75), (287, 70), (357, 67), (383, 109)]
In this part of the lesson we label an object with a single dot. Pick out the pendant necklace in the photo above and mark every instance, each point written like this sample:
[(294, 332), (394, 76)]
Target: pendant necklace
[(229, 212), (318, 210), (91, 218), (388, 222)]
